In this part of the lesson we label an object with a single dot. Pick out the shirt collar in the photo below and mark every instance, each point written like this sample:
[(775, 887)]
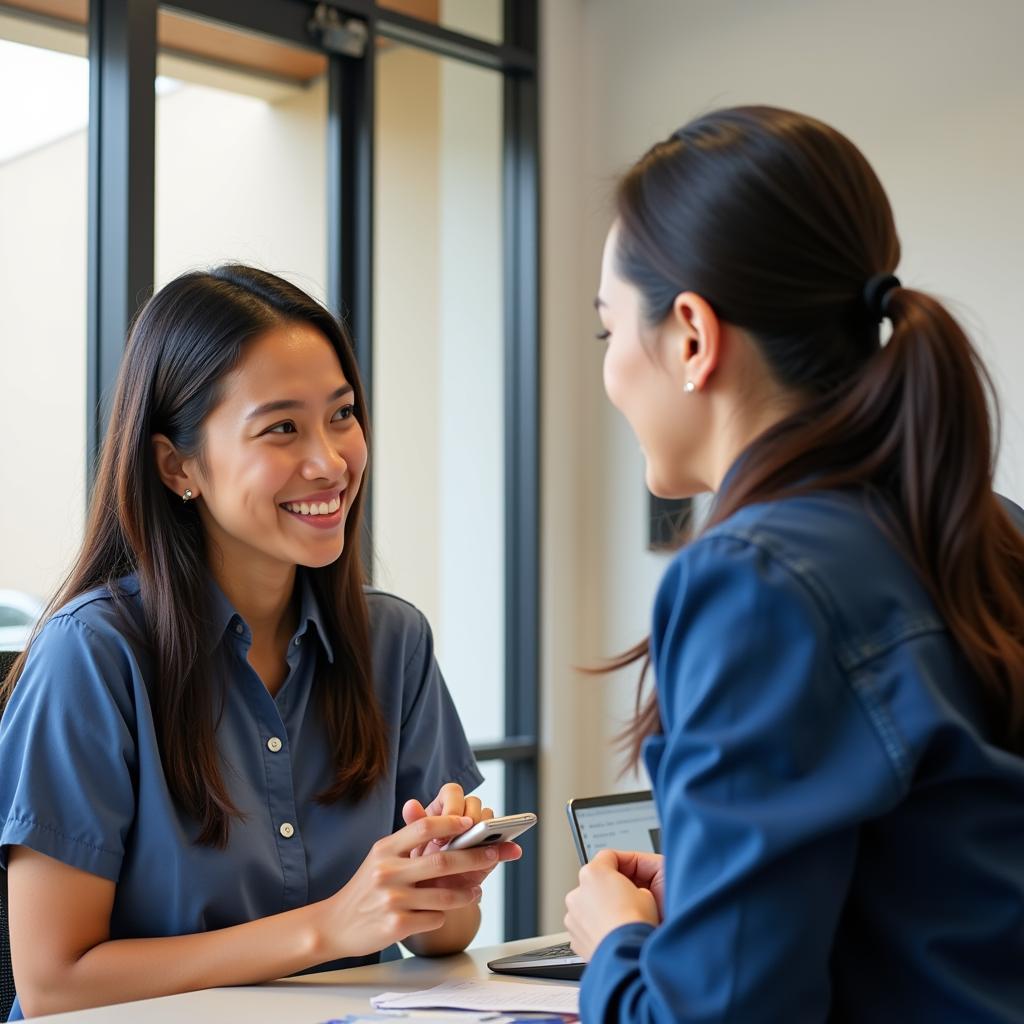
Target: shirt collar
[(224, 618), (309, 612)]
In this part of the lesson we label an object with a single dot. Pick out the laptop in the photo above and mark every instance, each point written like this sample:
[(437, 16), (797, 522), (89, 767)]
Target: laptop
[(621, 821)]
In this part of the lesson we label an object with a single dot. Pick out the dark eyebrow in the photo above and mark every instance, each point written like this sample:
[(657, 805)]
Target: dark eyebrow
[(292, 403)]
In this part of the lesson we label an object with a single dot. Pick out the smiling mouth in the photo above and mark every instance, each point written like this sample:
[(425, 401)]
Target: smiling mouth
[(313, 508)]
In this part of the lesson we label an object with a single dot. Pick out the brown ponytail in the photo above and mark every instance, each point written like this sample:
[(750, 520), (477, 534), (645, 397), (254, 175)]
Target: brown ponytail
[(779, 221)]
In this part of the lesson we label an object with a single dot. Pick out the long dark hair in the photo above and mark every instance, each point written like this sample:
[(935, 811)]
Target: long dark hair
[(778, 221), (186, 339)]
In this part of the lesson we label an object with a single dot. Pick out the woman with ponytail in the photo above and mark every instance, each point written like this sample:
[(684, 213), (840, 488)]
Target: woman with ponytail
[(836, 735), (223, 757)]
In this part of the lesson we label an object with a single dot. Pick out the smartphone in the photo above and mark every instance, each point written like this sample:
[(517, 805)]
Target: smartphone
[(495, 830)]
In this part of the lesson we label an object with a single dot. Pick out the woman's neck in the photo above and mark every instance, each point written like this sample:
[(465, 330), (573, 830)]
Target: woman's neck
[(747, 403), (262, 595), (740, 433)]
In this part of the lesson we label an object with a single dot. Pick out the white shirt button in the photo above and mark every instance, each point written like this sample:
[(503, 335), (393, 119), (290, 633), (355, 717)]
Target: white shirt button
[(273, 744), (287, 830), (297, 641), (239, 628)]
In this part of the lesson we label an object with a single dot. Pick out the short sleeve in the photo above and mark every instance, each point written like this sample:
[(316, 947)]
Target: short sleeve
[(67, 751), (766, 767), (432, 747)]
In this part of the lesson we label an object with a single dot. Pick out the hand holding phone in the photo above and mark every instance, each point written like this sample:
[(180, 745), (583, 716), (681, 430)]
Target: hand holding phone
[(493, 830)]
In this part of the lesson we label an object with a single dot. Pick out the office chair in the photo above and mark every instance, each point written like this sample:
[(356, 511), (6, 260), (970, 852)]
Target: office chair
[(7, 992)]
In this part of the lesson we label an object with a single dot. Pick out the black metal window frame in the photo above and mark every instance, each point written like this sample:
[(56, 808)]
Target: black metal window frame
[(122, 51)]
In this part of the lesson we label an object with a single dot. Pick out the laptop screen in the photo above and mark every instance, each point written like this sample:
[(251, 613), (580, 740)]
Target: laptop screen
[(622, 821)]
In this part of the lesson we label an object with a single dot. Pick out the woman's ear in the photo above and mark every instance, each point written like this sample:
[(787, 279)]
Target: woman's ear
[(697, 344), (171, 468)]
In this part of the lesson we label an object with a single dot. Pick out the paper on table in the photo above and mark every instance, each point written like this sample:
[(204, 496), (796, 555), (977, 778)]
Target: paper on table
[(485, 995), (393, 1016)]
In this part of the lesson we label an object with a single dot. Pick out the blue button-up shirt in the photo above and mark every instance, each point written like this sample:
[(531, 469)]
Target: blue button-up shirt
[(81, 778), (843, 840)]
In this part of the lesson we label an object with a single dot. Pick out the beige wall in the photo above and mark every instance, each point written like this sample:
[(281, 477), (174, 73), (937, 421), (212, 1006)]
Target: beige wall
[(243, 177), (931, 91)]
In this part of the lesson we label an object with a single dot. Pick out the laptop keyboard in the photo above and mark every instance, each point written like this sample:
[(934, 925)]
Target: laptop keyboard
[(545, 962), (563, 949)]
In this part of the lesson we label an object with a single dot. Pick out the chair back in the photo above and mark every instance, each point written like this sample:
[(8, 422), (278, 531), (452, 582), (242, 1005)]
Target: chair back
[(7, 992)]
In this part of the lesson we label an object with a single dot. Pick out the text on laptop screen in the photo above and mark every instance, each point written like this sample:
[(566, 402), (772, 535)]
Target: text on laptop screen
[(622, 826)]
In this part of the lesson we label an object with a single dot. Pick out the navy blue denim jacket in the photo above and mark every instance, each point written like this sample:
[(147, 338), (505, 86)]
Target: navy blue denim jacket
[(843, 840)]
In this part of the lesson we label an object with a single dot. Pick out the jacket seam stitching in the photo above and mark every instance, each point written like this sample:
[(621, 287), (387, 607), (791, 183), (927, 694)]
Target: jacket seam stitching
[(884, 728)]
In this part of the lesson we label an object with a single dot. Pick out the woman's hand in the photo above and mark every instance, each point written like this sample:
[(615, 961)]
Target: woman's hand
[(60, 925), (461, 923), (393, 895), (604, 900), (645, 871), (452, 800)]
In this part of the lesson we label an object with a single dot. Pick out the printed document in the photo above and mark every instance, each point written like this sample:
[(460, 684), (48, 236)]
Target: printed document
[(485, 995)]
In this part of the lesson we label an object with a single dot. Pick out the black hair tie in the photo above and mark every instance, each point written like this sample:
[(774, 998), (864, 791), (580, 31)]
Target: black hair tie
[(876, 294)]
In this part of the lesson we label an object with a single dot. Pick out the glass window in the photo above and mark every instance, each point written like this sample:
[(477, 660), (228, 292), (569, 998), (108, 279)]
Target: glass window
[(492, 918), (438, 379), (240, 155), (44, 113), (438, 406), (14, 617), (480, 18)]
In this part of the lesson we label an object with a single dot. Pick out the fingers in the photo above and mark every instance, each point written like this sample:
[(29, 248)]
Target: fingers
[(572, 925), (511, 851), (449, 800), (415, 923), (458, 862), (412, 810), (467, 878), (435, 898), (649, 904), (407, 839), (642, 868), (453, 800), (473, 808), (606, 859)]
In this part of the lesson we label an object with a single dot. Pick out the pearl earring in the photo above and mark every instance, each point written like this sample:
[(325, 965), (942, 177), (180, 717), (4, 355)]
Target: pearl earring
[(187, 496), (690, 387)]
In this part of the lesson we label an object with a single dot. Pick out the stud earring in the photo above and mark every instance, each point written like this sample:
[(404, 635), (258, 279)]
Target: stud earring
[(187, 496), (690, 387)]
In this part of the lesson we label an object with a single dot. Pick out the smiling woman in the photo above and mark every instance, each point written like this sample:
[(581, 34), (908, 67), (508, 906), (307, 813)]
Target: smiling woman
[(283, 451), (215, 699)]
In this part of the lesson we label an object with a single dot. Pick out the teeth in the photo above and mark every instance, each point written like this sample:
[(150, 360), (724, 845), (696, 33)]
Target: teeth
[(316, 508)]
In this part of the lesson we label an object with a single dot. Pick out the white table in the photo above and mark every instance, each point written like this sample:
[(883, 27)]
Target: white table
[(312, 998)]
